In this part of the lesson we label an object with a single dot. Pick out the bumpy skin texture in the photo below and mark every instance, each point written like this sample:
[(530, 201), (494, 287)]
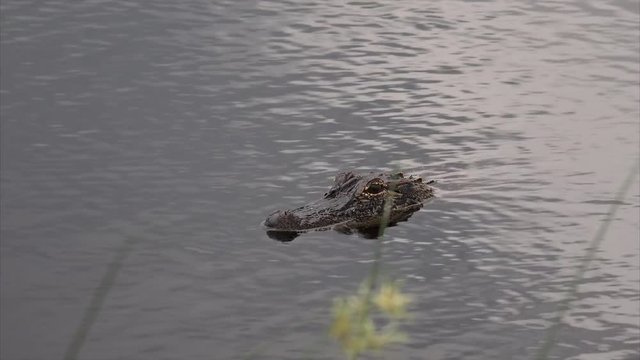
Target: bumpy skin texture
[(356, 201)]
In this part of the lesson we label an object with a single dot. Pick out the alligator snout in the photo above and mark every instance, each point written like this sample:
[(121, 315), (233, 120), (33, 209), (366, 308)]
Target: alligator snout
[(282, 219)]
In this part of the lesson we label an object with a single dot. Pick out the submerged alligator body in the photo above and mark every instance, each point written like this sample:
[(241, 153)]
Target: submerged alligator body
[(355, 202)]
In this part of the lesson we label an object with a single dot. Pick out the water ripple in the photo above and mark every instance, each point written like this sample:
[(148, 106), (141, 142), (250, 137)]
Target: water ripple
[(184, 124)]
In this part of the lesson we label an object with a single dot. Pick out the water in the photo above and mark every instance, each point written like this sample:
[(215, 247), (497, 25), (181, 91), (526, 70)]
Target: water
[(165, 132)]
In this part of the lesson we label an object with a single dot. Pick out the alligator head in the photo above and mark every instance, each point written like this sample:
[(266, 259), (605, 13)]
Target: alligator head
[(354, 202)]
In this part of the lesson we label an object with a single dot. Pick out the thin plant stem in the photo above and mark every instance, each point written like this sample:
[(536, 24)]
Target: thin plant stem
[(377, 252), (552, 333), (97, 300), (377, 258)]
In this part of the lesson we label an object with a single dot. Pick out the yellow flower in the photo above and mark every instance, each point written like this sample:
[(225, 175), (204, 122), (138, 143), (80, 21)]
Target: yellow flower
[(353, 326), (391, 300), (341, 326)]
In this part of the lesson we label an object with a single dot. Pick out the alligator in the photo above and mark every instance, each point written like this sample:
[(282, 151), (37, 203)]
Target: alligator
[(355, 203)]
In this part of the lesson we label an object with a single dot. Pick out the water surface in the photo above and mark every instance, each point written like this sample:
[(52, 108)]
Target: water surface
[(171, 129)]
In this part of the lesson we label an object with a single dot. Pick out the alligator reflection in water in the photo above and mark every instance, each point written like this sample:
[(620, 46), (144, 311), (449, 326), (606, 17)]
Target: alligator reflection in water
[(354, 203)]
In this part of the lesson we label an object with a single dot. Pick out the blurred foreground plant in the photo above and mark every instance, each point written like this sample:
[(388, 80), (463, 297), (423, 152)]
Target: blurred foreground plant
[(353, 319), (355, 316)]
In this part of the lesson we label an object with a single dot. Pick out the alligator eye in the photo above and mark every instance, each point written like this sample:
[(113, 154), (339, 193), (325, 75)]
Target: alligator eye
[(374, 188)]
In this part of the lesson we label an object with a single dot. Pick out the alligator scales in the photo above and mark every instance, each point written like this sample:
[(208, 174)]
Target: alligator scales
[(354, 202)]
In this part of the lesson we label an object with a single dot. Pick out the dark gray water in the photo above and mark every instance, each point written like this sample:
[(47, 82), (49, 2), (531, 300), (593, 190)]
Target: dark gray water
[(156, 137)]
